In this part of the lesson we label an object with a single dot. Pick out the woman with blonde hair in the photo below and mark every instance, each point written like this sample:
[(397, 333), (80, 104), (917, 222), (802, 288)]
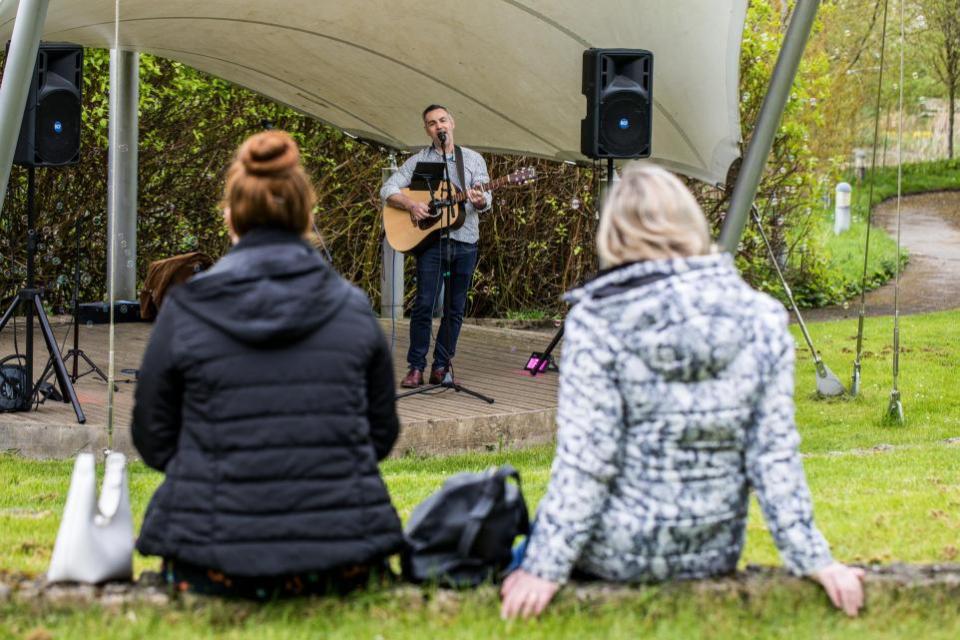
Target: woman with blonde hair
[(266, 396), (676, 399)]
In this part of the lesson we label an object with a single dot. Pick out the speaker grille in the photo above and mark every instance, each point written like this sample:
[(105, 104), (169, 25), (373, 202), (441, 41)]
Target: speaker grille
[(51, 130), (623, 123), (58, 127)]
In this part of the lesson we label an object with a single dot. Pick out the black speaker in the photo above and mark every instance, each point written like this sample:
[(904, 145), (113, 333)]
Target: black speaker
[(50, 133), (618, 84)]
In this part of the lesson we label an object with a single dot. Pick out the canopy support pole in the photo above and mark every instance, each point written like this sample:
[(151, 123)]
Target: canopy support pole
[(768, 121), (17, 75), (122, 171), (391, 266)]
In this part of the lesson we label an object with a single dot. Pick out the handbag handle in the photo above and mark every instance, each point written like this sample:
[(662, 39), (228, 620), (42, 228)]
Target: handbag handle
[(481, 510), (111, 494)]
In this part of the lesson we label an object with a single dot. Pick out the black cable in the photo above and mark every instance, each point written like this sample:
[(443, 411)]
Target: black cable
[(393, 314)]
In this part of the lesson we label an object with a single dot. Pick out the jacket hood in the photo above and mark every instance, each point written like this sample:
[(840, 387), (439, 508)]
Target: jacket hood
[(270, 287), (685, 318)]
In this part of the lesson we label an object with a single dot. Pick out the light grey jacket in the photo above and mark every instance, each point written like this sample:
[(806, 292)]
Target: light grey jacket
[(676, 397)]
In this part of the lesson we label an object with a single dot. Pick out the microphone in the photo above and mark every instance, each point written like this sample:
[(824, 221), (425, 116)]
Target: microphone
[(442, 137)]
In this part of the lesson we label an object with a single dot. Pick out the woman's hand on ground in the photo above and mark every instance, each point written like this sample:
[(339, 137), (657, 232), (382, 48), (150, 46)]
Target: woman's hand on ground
[(524, 594), (844, 585)]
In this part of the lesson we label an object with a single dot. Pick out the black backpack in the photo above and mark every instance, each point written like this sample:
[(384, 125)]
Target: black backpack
[(463, 534), (14, 386)]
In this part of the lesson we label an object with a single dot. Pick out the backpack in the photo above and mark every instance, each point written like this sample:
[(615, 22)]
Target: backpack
[(14, 386), (463, 534)]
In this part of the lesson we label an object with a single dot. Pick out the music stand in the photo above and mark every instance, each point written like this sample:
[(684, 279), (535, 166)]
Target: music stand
[(425, 176)]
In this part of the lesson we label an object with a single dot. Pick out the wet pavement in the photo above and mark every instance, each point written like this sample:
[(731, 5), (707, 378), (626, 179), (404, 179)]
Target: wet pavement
[(930, 231)]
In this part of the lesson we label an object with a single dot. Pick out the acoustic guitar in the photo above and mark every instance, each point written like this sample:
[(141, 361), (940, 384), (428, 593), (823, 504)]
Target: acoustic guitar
[(404, 233)]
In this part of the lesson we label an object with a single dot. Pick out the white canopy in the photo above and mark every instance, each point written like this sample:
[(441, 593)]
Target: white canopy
[(510, 70)]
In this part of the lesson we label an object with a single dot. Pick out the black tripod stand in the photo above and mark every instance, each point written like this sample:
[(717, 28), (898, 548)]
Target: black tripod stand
[(445, 208), (76, 352), (543, 361), (30, 300)]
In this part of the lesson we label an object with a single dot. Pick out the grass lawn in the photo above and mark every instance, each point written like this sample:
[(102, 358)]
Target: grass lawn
[(883, 494), (846, 256)]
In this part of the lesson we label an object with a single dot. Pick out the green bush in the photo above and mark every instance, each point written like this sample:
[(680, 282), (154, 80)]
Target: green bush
[(537, 243)]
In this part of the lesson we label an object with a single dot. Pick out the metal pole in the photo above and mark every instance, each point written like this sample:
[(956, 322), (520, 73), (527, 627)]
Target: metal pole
[(122, 171), (767, 123), (391, 268), (17, 75), (30, 291)]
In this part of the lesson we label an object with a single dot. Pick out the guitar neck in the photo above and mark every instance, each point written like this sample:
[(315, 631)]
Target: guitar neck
[(487, 186)]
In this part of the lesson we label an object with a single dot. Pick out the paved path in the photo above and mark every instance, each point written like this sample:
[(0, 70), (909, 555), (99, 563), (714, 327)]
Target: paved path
[(930, 230), (489, 361)]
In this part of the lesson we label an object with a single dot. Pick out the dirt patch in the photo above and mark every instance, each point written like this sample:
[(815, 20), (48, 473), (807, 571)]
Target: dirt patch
[(930, 230)]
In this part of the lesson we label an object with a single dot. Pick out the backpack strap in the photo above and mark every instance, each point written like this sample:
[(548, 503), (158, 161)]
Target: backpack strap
[(491, 494)]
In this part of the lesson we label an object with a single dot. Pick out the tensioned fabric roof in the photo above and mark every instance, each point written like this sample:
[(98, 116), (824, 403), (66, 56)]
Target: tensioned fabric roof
[(510, 70)]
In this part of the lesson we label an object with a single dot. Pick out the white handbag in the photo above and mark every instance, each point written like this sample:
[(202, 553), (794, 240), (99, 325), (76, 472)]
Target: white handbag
[(95, 541)]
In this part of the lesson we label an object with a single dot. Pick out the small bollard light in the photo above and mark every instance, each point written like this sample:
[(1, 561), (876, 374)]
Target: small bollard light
[(841, 209), (860, 164)]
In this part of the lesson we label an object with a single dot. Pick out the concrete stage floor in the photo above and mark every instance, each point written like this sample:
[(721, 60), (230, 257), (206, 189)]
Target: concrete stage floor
[(489, 360)]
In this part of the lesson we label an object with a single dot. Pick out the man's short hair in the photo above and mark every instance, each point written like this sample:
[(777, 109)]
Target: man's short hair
[(433, 107)]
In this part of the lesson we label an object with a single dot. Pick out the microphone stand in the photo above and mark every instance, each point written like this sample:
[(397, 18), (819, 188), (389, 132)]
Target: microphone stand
[(446, 208)]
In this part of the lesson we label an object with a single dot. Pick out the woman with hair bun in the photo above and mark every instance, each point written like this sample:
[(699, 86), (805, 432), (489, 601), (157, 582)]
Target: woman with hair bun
[(266, 396)]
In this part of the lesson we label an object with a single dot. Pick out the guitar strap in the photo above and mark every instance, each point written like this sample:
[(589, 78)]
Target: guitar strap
[(458, 152)]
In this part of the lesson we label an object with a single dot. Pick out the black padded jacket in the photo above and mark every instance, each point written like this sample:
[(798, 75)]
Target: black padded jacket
[(266, 396)]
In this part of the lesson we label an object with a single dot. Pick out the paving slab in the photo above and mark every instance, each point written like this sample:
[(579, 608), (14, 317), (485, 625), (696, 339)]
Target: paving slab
[(489, 360)]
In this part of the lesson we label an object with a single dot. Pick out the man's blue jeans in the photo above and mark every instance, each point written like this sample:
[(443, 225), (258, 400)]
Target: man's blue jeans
[(432, 265)]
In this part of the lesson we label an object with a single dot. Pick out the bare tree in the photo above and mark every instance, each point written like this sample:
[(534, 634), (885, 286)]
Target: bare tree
[(943, 19)]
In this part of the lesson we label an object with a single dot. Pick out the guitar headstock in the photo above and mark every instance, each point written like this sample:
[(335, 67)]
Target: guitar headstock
[(522, 176)]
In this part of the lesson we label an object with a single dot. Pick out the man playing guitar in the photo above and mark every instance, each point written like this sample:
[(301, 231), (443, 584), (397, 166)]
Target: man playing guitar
[(458, 255)]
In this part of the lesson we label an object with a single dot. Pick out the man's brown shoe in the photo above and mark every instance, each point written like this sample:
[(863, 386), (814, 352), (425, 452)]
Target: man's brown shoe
[(413, 380), (437, 375)]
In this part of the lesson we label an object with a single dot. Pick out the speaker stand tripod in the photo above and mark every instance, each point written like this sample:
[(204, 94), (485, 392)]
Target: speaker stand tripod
[(29, 299), (76, 353), (543, 361)]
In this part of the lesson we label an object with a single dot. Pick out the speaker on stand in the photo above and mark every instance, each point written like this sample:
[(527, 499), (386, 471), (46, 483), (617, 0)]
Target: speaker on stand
[(49, 137), (50, 133), (618, 85)]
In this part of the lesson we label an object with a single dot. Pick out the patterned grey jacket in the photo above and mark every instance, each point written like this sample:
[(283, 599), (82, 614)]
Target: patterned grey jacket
[(676, 397)]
